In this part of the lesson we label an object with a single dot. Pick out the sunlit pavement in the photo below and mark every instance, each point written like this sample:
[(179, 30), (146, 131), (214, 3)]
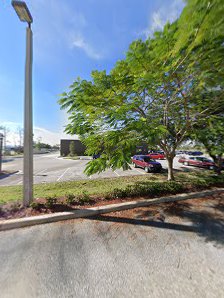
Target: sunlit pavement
[(51, 168)]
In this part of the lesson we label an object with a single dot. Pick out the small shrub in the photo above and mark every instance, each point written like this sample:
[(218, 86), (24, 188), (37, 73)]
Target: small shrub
[(174, 187), (218, 180), (51, 201), (147, 189), (108, 196), (119, 193), (201, 183), (129, 191), (35, 206), (84, 198), (15, 207), (72, 148), (70, 199)]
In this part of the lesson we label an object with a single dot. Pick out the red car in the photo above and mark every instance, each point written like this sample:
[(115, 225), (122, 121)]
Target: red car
[(147, 163), (197, 161), (157, 155)]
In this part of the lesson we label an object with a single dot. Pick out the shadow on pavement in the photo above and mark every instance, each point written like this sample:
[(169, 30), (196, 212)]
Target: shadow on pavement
[(5, 175), (147, 223), (205, 220), (7, 160)]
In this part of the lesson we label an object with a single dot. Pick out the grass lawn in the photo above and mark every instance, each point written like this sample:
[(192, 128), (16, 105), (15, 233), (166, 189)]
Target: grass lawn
[(103, 187)]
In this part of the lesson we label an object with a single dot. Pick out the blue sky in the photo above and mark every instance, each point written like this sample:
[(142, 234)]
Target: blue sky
[(71, 38)]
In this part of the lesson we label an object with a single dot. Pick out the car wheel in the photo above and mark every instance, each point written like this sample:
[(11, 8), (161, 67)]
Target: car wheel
[(146, 169), (186, 163), (134, 165)]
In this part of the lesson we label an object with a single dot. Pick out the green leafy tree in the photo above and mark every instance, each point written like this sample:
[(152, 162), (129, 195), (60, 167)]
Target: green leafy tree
[(38, 146), (72, 148), (5, 130), (211, 135), (141, 100), (20, 133), (201, 36), (152, 96)]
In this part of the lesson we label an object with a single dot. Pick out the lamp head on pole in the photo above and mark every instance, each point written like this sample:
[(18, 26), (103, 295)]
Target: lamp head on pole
[(22, 11)]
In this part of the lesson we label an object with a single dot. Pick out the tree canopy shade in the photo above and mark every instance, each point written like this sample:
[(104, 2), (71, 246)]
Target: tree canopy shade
[(154, 95)]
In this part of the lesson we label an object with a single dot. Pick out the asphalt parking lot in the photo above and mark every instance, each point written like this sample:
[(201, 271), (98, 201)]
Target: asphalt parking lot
[(132, 253), (53, 168)]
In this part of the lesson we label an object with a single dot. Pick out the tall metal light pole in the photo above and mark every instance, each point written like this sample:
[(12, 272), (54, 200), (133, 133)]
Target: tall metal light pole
[(25, 16)]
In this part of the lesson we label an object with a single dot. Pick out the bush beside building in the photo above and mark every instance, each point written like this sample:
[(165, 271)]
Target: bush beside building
[(79, 148)]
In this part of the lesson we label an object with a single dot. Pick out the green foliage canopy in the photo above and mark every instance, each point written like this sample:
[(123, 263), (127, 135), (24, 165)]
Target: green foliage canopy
[(156, 94)]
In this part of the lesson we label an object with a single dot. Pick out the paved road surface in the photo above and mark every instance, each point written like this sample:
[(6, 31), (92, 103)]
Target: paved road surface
[(47, 168), (112, 257), (50, 168)]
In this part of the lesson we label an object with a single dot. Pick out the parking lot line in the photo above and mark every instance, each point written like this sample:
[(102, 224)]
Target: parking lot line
[(116, 173), (40, 172), (63, 174)]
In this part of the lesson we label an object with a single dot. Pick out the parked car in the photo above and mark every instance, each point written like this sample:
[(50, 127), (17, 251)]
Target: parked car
[(157, 155), (147, 163), (95, 156), (179, 152), (197, 161), (195, 153)]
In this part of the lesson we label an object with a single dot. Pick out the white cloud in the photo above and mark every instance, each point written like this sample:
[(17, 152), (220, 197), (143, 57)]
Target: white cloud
[(49, 137), (79, 42), (42, 134), (165, 14), (157, 22)]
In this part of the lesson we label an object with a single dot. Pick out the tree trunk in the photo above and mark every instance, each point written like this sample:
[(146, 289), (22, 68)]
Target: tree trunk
[(218, 162), (170, 168)]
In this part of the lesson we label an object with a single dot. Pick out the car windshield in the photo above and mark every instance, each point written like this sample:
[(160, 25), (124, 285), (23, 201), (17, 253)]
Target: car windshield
[(148, 159), (203, 159)]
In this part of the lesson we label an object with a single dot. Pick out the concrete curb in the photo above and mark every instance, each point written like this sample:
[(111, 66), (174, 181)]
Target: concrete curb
[(49, 218), (77, 158)]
